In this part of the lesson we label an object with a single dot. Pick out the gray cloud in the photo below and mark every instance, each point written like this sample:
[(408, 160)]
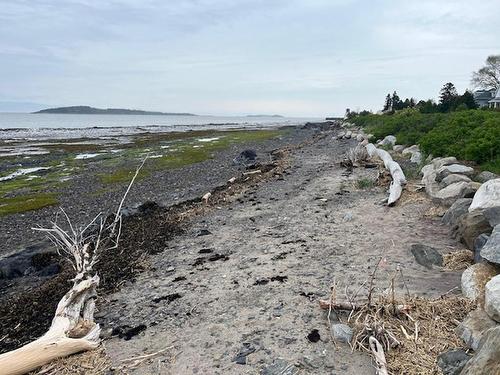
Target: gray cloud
[(301, 57)]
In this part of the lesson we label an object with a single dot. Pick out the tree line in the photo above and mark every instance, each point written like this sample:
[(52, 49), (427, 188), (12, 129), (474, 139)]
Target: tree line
[(449, 101), (487, 78)]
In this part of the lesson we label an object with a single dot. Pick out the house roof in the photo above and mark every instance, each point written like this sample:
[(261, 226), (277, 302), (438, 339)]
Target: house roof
[(496, 99), (484, 94)]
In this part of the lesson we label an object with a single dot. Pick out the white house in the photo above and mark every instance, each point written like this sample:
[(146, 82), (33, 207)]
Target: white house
[(495, 102)]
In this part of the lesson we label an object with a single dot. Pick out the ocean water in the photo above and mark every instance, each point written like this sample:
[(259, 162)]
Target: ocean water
[(50, 126)]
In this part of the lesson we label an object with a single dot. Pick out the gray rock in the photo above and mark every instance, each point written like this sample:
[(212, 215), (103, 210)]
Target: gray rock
[(470, 226), (426, 256), (487, 358), (492, 298), (348, 134), (416, 157), (486, 176), (479, 243), (474, 326), (452, 361), (491, 250), (439, 162), (390, 140), (411, 150), (429, 180), (360, 138), (446, 170), (342, 332), (398, 148), (347, 217), (452, 178), (457, 210), (280, 367), (492, 214), (474, 279), (448, 195), (488, 195)]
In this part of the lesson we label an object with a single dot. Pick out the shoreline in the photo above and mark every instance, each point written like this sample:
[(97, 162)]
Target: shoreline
[(87, 187), (247, 270)]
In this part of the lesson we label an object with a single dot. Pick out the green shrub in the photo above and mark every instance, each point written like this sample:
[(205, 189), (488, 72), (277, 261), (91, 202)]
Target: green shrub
[(468, 135)]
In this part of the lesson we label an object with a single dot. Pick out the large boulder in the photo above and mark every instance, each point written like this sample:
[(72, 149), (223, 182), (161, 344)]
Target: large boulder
[(487, 358), (439, 162), (398, 148), (446, 170), (475, 278), (492, 214), (474, 326), (492, 298), (453, 361), (448, 195), (470, 226), (416, 155), (457, 210), (452, 178), (488, 195), (429, 180), (485, 176), (479, 243), (390, 140), (491, 250)]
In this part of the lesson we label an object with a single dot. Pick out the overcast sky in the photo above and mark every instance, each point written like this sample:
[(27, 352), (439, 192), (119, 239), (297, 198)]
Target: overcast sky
[(291, 57)]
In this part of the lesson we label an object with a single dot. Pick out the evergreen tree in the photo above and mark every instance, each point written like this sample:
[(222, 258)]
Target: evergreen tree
[(396, 101), (468, 99), (388, 103), (447, 97)]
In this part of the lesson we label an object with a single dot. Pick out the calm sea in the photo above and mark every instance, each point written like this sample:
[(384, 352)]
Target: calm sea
[(39, 126)]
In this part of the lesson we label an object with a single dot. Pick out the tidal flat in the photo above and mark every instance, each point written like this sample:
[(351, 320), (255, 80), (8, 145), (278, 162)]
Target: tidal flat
[(86, 176)]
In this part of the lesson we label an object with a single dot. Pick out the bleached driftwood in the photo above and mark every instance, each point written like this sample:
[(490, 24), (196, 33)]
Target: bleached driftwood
[(398, 177), (73, 329), (378, 353)]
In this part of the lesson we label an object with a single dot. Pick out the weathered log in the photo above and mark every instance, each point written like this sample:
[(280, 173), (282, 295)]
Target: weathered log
[(378, 353), (72, 331), (398, 177), (326, 305)]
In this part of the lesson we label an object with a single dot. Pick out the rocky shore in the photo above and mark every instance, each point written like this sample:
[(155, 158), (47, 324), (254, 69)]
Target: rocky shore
[(231, 284)]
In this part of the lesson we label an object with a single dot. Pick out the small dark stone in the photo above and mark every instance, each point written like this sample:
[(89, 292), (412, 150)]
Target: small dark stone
[(426, 256), (314, 336), (205, 251), (203, 232), (126, 332), (241, 357), (279, 278), (453, 361), (261, 282), (179, 278), (215, 257), (280, 367), (169, 298)]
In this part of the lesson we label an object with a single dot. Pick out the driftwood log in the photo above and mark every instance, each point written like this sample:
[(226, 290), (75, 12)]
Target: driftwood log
[(378, 353), (398, 177), (73, 329)]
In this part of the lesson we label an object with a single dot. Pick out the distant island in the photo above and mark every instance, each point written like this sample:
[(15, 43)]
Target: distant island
[(263, 116), (86, 110)]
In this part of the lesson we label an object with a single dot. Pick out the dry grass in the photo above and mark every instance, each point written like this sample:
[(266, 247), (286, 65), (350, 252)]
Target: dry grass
[(458, 260), (94, 362), (413, 338)]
